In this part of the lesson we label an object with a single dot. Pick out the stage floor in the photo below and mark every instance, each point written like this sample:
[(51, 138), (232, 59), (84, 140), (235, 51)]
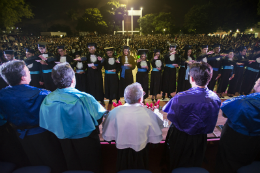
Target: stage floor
[(211, 137)]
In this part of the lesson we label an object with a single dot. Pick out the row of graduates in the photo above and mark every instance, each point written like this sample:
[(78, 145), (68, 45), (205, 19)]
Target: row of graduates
[(89, 70), (228, 70), (232, 72), (114, 87)]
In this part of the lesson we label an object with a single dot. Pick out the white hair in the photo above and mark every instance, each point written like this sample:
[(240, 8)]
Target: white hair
[(133, 93)]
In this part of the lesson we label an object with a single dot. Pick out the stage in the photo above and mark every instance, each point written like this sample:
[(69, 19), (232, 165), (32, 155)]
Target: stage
[(211, 137)]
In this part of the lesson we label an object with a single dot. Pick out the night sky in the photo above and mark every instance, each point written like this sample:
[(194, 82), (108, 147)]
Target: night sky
[(49, 12)]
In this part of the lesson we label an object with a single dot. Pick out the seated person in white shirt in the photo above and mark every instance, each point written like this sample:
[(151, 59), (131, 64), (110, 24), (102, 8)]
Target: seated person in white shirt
[(132, 126)]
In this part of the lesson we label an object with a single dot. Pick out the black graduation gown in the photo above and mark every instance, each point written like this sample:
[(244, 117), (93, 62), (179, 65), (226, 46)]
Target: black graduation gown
[(111, 80), (236, 82), (202, 57), (156, 79), (225, 74), (169, 74), (35, 69), (46, 72), (183, 150), (215, 61), (94, 78), (40, 147), (250, 76), (183, 84), (83, 153), (142, 78), (235, 150), (80, 78), (10, 148), (130, 159), (128, 79)]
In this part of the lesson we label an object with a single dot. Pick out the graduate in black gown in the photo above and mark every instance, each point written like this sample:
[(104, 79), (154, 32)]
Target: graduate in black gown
[(235, 84), (111, 75), (227, 72), (127, 64), (156, 75), (143, 66), (251, 73), (215, 61), (48, 62), (185, 61), (171, 60), (34, 67), (203, 55), (94, 74), (80, 73), (63, 56)]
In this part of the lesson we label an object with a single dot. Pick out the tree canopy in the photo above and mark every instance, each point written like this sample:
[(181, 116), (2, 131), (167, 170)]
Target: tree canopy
[(156, 23), (12, 12), (91, 20), (221, 14), (113, 13)]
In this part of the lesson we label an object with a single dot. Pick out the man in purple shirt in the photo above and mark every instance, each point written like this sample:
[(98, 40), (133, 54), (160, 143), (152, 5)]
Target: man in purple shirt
[(193, 114)]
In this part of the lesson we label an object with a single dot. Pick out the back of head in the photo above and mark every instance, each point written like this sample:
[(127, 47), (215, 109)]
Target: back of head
[(12, 72), (201, 72), (62, 75), (133, 93)]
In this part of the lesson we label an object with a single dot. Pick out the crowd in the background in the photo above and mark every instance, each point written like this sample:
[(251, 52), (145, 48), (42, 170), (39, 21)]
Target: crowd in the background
[(161, 62)]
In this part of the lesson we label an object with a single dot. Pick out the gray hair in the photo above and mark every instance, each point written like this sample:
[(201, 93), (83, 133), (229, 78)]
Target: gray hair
[(133, 93)]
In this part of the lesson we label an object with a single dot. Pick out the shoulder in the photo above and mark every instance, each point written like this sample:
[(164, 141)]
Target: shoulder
[(44, 92), (242, 99)]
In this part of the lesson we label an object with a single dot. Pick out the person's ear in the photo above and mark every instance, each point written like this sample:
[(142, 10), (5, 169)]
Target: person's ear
[(192, 79), (23, 78)]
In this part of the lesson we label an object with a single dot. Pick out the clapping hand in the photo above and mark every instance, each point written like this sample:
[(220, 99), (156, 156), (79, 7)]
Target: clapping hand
[(99, 58), (42, 57)]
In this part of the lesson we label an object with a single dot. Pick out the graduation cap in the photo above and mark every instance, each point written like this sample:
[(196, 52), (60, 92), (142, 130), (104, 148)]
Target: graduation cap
[(204, 46), (9, 52), (216, 45), (174, 45), (109, 48), (230, 50), (157, 50), (142, 51), (61, 47), (30, 50), (242, 48), (92, 44), (42, 44), (126, 47), (187, 47)]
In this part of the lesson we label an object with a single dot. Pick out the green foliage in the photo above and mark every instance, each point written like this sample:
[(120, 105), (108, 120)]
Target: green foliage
[(146, 23), (91, 20), (12, 12), (157, 23), (113, 13), (221, 14)]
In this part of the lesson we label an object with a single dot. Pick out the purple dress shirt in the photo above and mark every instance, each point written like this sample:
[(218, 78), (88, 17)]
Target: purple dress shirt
[(194, 111)]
